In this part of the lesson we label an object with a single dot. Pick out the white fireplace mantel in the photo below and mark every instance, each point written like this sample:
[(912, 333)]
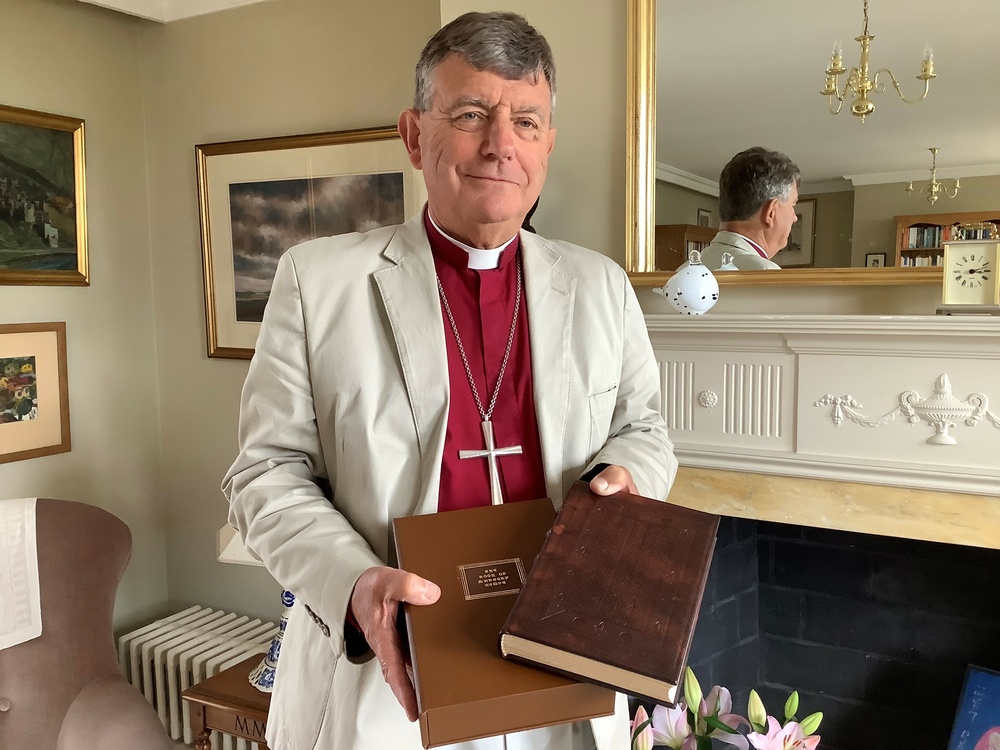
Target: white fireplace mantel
[(910, 403)]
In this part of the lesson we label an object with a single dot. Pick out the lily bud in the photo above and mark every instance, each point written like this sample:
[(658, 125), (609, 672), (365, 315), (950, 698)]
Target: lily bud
[(811, 723), (791, 705), (692, 691), (756, 712)]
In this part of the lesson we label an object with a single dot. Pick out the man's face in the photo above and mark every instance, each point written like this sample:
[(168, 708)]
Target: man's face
[(483, 146), (784, 216)]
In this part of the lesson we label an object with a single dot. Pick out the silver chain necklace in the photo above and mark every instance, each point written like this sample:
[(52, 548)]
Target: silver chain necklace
[(491, 453)]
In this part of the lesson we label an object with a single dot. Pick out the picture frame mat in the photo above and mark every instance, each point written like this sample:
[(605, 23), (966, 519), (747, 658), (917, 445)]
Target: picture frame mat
[(222, 170), (49, 432)]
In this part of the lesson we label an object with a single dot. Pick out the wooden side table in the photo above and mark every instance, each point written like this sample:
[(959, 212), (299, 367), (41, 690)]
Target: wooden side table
[(229, 703)]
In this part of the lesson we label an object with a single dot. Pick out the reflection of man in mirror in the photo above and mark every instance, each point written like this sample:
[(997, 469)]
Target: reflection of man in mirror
[(758, 190)]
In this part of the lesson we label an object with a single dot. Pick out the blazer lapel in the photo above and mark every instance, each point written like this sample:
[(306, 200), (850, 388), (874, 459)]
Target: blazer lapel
[(409, 294), (551, 295)]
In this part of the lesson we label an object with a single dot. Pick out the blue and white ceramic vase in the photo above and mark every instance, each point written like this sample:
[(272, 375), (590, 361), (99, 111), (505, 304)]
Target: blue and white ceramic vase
[(262, 677)]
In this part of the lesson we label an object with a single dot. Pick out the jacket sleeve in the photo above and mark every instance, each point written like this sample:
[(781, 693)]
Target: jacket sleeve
[(274, 487), (638, 437)]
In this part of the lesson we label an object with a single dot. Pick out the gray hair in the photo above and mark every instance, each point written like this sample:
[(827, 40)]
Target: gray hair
[(751, 179), (501, 43)]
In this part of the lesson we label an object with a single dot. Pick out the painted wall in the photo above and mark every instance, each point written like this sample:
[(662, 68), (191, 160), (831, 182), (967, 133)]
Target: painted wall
[(876, 206), (679, 205), (277, 68), (834, 228), (65, 57)]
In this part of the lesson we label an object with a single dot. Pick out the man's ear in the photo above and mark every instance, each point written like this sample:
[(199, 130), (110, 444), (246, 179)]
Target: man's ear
[(768, 213), (409, 130)]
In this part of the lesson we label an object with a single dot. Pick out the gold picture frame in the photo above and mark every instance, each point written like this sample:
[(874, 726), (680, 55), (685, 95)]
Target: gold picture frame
[(34, 391), (43, 199), (259, 197)]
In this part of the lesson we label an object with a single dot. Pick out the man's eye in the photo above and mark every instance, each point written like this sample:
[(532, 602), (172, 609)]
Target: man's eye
[(526, 123), (469, 116)]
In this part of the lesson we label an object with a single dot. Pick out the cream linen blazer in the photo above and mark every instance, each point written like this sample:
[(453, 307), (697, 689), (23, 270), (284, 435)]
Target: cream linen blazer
[(348, 388), (745, 257)]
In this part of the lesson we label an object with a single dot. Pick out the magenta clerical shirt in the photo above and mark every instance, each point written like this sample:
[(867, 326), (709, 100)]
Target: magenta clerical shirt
[(482, 302)]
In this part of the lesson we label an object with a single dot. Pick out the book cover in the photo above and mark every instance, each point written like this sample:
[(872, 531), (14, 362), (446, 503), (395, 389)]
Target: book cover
[(465, 690), (613, 595)]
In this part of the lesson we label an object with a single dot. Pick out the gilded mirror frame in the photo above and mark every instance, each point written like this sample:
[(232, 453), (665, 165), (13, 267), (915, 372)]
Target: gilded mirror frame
[(640, 171)]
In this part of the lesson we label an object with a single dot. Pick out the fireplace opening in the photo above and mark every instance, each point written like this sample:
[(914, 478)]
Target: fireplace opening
[(875, 632)]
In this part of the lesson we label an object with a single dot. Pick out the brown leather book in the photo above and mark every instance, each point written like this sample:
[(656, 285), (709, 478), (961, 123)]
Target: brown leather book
[(465, 690), (613, 596)]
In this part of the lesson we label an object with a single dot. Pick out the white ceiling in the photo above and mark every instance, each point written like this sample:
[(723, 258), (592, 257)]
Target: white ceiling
[(165, 11), (738, 73)]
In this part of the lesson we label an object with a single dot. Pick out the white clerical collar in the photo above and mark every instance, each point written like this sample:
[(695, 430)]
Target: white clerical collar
[(479, 259)]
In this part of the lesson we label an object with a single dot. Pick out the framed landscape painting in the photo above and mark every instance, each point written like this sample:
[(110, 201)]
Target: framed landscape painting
[(799, 250), (260, 197), (43, 206), (34, 391)]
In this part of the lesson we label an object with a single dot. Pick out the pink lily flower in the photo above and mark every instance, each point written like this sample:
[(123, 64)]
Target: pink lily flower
[(720, 700), (670, 726), (644, 740), (789, 737)]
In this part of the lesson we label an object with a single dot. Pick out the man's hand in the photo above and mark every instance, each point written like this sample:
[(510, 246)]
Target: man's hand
[(375, 601), (613, 479)]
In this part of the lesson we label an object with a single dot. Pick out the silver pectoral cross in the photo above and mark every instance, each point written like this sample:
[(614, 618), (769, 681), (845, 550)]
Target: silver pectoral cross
[(490, 454)]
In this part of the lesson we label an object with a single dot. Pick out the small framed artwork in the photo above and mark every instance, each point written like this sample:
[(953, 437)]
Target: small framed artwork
[(875, 260), (260, 197), (34, 391), (798, 253), (977, 721), (43, 205), (704, 217)]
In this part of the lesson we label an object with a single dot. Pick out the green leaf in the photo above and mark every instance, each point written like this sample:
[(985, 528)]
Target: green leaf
[(811, 723), (638, 730), (791, 705), (692, 691), (704, 743), (714, 723)]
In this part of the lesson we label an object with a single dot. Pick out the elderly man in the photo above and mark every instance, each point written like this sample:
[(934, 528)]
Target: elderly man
[(383, 355), (758, 190)]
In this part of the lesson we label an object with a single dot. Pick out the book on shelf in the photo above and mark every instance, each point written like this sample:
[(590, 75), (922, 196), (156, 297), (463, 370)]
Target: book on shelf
[(465, 690), (614, 593)]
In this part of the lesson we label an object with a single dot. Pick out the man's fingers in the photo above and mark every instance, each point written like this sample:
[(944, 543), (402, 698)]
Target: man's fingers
[(387, 651), (413, 589), (375, 602), (613, 479)]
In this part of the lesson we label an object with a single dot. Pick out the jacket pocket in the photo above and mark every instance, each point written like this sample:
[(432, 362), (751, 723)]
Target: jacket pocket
[(602, 409)]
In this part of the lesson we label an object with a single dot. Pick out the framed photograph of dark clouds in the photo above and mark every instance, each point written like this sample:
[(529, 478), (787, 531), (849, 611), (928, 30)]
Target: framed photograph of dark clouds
[(260, 197)]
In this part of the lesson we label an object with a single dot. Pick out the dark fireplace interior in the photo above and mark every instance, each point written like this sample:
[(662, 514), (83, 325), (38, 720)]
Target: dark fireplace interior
[(875, 632)]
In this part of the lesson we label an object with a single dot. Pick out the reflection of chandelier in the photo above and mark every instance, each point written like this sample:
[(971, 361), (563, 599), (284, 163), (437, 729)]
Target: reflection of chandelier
[(859, 85), (933, 187)]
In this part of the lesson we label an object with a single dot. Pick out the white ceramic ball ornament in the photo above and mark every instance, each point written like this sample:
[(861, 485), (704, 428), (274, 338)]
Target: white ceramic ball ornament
[(692, 290)]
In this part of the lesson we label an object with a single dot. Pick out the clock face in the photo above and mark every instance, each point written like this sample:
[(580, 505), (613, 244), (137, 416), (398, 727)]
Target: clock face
[(970, 274), (972, 270)]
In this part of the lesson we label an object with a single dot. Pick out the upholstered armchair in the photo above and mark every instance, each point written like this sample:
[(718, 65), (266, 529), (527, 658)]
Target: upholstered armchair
[(64, 690)]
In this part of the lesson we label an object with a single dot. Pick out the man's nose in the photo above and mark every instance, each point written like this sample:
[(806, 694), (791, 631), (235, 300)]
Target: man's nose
[(499, 141)]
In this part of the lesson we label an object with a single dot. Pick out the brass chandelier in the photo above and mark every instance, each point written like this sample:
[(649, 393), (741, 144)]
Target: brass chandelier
[(859, 85), (934, 188)]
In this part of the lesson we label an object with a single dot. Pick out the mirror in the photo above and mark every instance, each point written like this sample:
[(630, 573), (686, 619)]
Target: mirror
[(892, 119)]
